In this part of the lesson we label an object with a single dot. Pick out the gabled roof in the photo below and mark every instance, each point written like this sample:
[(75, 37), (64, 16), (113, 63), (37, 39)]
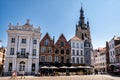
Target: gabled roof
[(46, 37), (62, 39), (75, 39)]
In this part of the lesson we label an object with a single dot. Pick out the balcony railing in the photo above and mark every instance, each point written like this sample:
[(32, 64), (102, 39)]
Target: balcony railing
[(22, 55)]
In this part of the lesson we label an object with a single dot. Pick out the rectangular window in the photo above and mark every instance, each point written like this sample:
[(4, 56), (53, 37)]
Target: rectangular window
[(12, 51), (43, 59), (77, 59), (24, 41), (81, 60), (113, 53), (73, 59), (34, 52), (77, 52), (49, 59), (23, 51), (49, 50), (73, 52), (12, 40), (34, 41), (62, 44), (81, 52), (77, 45), (81, 46), (46, 43), (62, 59), (68, 60), (73, 45), (33, 66), (56, 58), (10, 67), (43, 49)]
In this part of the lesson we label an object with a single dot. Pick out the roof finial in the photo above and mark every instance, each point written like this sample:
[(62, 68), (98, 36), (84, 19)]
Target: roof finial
[(28, 20), (81, 10), (81, 4)]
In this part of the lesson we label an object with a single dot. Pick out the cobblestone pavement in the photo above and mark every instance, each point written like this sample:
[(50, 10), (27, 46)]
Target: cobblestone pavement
[(76, 77)]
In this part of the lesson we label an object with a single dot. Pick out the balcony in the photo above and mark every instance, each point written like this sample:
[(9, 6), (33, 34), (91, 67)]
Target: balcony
[(26, 55)]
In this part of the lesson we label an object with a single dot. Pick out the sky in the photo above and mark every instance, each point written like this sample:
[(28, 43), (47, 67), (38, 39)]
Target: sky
[(61, 16)]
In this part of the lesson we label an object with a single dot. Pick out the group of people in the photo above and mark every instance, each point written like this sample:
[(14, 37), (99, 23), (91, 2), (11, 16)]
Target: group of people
[(14, 75)]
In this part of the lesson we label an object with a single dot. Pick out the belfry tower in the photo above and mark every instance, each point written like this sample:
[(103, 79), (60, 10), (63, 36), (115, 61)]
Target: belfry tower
[(83, 32), (82, 28)]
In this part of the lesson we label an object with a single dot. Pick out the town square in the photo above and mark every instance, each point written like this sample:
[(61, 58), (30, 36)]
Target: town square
[(59, 40)]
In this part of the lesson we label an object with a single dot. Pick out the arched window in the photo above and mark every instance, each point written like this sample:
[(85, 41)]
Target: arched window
[(22, 66), (82, 36), (85, 35), (67, 51), (46, 43), (62, 51), (56, 51)]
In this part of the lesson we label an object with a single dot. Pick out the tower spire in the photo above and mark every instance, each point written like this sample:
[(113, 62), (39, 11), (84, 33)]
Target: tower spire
[(81, 19)]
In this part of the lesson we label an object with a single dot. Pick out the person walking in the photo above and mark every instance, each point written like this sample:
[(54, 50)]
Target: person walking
[(22, 74), (14, 75)]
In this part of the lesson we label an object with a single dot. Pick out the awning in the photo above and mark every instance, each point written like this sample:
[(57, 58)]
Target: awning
[(64, 67), (53, 67), (72, 67), (44, 67)]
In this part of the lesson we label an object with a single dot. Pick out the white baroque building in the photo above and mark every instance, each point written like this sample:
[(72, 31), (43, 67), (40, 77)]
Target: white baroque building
[(77, 50), (22, 49)]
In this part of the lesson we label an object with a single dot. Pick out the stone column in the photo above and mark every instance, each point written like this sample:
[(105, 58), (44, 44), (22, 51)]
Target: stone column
[(8, 45), (14, 64), (28, 44), (29, 66), (31, 47), (36, 65), (37, 48), (19, 42), (16, 45)]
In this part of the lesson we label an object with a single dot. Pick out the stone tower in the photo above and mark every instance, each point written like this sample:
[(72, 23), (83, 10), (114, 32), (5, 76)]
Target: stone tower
[(82, 28)]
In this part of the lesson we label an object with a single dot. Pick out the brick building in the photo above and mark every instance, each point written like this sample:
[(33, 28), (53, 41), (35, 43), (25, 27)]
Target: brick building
[(62, 51), (46, 51)]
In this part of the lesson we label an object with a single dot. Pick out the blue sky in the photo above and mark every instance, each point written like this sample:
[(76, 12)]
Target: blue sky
[(61, 16)]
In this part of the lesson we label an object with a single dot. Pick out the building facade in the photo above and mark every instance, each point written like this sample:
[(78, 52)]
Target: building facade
[(83, 32), (112, 53), (46, 51), (62, 51), (22, 49), (117, 50), (77, 51), (100, 65), (2, 59)]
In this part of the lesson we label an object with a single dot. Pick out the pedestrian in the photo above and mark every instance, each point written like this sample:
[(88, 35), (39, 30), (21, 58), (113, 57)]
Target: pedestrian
[(15, 74), (22, 74)]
